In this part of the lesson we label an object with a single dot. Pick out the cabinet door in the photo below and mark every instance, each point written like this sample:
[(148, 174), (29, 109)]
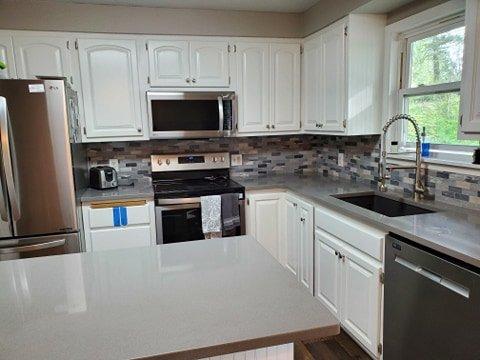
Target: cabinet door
[(209, 64), (311, 75), (292, 241), (120, 238), (470, 92), (305, 235), (332, 79), (168, 63), (42, 56), (111, 92), (285, 86), (327, 271), (6, 56), (265, 221), (361, 298), (253, 87)]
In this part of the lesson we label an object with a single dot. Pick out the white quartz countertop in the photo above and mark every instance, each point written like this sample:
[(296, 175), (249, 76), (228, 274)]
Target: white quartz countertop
[(176, 301)]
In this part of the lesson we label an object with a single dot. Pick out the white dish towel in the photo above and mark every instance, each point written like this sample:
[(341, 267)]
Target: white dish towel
[(211, 216)]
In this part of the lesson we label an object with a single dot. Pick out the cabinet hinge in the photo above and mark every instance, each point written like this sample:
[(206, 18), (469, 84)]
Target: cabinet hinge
[(461, 120), (345, 30), (148, 79), (382, 278), (229, 80), (84, 130), (248, 201), (344, 123), (68, 44), (300, 124), (76, 45), (380, 348), (146, 46), (301, 49), (71, 80)]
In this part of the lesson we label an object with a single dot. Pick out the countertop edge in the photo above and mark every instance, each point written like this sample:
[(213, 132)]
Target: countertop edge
[(249, 344)]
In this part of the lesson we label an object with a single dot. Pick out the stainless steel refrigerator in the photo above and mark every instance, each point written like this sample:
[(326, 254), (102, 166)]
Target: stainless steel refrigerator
[(38, 207)]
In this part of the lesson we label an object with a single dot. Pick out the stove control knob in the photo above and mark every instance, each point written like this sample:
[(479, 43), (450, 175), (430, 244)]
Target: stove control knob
[(168, 161), (160, 162)]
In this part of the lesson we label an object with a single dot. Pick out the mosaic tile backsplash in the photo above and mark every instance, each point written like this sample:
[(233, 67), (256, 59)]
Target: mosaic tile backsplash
[(299, 154)]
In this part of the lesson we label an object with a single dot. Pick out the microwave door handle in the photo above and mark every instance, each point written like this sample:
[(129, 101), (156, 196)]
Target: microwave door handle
[(7, 160), (220, 113)]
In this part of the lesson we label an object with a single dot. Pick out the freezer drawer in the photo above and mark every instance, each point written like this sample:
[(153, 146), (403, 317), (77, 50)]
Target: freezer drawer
[(432, 306), (39, 246)]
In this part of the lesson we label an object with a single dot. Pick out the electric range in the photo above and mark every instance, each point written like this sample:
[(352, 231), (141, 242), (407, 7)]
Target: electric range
[(179, 181)]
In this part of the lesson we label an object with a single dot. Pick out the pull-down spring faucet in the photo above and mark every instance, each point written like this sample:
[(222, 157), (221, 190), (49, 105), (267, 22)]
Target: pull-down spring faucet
[(418, 186)]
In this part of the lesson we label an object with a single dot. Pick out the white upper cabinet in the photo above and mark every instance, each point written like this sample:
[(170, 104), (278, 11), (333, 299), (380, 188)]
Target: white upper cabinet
[(253, 86), (470, 92), (6, 56), (209, 64), (42, 56), (183, 63), (168, 63), (331, 92), (285, 86), (110, 85), (342, 77)]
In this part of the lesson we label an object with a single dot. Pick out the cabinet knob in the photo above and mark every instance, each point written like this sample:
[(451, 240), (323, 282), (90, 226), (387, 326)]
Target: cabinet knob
[(187, 80), (194, 80), (139, 129), (268, 126), (273, 126), (302, 219), (336, 253)]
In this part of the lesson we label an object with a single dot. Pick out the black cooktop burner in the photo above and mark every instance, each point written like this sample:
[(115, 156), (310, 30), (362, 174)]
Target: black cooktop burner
[(175, 188)]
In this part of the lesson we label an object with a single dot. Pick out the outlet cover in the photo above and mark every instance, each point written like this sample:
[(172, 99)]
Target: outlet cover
[(236, 160), (114, 163), (341, 159)]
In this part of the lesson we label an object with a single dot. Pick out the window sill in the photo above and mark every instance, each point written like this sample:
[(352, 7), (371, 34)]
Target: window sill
[(441, 162)]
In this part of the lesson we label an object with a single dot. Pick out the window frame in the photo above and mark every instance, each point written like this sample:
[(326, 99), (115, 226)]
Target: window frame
[(404, 90)]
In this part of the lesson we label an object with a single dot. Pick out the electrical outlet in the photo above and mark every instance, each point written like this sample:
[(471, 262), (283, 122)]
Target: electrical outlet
[(114, 164), (236, 160), (341, 159)]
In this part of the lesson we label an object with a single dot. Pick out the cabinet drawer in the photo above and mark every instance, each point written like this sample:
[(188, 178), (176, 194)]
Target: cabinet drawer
[(120, 238), (119, 216), (360, 236)]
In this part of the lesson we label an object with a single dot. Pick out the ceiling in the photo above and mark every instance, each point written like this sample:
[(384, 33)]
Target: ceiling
[(292, 6)]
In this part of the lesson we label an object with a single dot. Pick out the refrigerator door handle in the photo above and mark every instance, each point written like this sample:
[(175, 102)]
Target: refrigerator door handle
[(7, 160), (33, 247)]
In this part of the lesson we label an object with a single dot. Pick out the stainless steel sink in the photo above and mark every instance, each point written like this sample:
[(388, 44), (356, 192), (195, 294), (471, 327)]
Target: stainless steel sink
[(383, 205)]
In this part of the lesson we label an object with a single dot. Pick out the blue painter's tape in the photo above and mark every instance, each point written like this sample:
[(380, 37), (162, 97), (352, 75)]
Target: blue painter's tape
[(123, 216), (116, 216)]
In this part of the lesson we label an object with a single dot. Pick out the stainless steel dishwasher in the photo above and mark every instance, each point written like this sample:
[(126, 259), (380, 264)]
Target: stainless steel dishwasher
[(432, 305)]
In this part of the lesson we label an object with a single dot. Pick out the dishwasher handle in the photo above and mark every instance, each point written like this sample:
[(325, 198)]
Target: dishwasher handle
[(436, 278)]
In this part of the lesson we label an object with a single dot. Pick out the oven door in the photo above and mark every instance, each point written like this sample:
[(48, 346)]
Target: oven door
[(180, 220), (190, 114)]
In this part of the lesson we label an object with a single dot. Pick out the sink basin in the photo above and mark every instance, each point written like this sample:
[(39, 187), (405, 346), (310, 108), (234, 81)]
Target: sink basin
[(383, 205)]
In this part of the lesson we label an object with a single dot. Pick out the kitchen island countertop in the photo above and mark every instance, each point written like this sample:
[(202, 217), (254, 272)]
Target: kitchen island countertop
[(177, 301)]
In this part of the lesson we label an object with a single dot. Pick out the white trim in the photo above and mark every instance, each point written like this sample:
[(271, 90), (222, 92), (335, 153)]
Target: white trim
[(395, 46)]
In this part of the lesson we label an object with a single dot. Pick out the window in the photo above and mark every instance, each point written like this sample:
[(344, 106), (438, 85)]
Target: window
[(430, 82)]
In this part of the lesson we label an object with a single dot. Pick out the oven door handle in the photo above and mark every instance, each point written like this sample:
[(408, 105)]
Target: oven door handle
[(179, 206), (220, 113)]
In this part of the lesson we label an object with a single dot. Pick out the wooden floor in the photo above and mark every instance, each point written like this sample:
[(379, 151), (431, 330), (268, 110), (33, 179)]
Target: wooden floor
[(340, 347)]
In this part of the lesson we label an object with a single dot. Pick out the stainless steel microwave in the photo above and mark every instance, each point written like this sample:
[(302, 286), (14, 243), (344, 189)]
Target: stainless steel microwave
[(191, 114)]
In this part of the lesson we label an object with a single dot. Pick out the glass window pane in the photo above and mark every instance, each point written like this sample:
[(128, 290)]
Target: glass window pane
[(437, 59), (439, 114)]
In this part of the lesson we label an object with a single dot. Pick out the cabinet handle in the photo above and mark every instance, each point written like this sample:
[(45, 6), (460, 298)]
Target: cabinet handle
[(336, 253), (302, 219), (187, 80), (194, 80), (268, 126), (294, 205), (273, 126)]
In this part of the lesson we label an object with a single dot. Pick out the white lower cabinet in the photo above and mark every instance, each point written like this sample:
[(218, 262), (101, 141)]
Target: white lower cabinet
[(348, 280), (117, 225), (298, 244), (263, 220)]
